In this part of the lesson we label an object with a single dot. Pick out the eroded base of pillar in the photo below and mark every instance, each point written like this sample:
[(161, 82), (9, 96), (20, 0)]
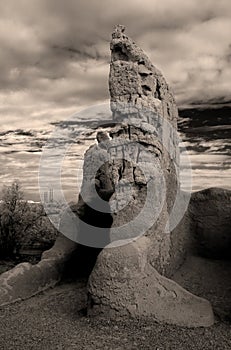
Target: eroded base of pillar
[(123, 283)]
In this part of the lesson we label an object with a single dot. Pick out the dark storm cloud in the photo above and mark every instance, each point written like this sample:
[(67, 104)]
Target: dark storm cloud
[(55, 53)]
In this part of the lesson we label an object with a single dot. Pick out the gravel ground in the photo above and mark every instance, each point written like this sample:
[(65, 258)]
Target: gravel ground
[(54, 320)]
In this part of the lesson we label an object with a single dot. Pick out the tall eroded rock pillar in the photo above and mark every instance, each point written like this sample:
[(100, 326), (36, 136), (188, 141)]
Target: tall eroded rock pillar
[(141, 167), (144, 159)]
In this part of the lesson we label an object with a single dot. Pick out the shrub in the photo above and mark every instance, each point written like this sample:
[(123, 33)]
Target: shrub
[(21, 221)]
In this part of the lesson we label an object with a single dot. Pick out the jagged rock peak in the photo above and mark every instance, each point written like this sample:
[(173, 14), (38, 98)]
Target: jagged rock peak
[(121, 39), (136, 86), (119, 29)]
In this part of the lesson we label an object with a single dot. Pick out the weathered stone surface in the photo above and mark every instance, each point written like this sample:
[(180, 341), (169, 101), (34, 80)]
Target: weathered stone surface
[(135, 82), (26, 280), (125, 284), (143, 161), (141, 98)]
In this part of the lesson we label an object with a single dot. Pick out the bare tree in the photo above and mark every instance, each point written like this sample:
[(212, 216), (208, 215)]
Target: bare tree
[(16, 218)]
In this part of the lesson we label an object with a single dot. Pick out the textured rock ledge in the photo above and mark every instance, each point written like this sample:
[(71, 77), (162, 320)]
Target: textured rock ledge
[(26, 280)]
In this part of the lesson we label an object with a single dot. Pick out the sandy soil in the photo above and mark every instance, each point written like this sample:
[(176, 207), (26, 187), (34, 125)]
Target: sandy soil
[(55, 320)]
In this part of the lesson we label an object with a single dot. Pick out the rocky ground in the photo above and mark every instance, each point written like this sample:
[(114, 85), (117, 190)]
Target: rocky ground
[(55, 319)]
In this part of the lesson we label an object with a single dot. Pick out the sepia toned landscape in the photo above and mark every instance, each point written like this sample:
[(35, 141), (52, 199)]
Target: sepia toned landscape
[(115, 178)]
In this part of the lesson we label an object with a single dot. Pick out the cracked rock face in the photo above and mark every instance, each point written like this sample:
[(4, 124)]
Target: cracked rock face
[(142, 101), (134, 168)]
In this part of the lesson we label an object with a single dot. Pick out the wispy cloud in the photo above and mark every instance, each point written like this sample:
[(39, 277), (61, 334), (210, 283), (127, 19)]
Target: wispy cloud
[(55, 54)]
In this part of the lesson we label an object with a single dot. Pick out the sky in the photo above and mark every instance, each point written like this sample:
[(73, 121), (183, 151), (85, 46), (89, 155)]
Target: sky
[(55, 54)]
